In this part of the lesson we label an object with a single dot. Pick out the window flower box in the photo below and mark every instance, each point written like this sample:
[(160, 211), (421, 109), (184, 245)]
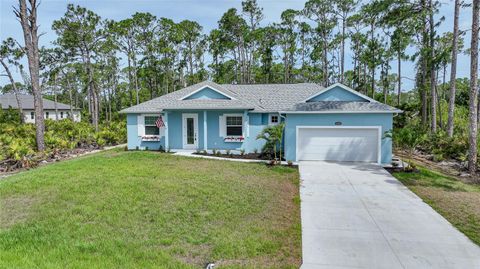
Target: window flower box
[(153, 138), (233, 139)]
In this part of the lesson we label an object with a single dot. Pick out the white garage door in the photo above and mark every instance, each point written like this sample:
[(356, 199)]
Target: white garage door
[(338, 144)]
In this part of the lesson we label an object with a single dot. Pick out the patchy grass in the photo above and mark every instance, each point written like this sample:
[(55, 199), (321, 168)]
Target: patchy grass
[(145, 209), (458, 202)]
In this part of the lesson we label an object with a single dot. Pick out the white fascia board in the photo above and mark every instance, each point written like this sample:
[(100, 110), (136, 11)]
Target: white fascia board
[(140, 112), (343, 87), (210, 87)]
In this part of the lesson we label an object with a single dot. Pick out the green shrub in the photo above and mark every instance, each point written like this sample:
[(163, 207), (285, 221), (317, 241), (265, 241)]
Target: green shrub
[(409, 131), (18, 141)]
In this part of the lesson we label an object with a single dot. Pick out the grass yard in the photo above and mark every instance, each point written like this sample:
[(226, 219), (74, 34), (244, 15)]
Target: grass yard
[(120, 209), (458, 202)]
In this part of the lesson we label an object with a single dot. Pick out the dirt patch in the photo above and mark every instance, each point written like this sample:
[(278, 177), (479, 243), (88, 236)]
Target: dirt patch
[(452, 168), (15, 210)]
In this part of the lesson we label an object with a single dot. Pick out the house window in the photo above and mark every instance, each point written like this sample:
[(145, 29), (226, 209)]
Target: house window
[(150, 126), (32, 115), (234, 125), (61, 114), (46, 115), (274, 119)]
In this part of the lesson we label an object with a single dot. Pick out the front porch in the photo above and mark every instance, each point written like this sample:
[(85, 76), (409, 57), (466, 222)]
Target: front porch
[(196, 130)]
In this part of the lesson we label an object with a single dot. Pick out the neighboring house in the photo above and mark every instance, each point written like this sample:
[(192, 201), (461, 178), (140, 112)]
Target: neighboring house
[(334, 123), (49, 112)]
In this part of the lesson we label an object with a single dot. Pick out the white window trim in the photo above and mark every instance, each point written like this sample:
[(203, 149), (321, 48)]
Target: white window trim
[(160, 132), (270, 119), (234, 115)]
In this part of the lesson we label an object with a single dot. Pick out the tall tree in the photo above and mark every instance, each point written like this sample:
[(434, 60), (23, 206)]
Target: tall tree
[(287, 39), (432, 61), (254, 15), (125, 39), (233, 29), (343, 10), (191, 46), (321, 12), (81, 31), (9, 54), (453, 70), (473, 103), (27, 14), (371, 14)]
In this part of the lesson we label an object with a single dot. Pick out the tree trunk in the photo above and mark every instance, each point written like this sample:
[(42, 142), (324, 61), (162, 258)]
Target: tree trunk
[(373, 60), (433, 81), (473, 103), (130, 80), (453, 71), (399, 59), (424, 67), (136, 80), (55, 97), (93, 95), (439, 98), (15, 90), (28, 21), (70, 96), (342, 53)]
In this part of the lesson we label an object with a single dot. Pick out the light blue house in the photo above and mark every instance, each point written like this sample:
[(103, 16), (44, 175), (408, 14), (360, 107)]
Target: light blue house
[(334, 123)]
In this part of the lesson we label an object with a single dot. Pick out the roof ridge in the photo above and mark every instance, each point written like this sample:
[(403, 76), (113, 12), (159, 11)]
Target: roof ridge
[(293, 83)]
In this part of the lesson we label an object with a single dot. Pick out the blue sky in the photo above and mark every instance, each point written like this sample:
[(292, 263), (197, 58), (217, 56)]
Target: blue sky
[(206, 12)]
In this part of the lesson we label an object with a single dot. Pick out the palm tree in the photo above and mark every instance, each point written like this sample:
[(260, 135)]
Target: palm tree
[(274, 136), (453, 72), (473, 106)]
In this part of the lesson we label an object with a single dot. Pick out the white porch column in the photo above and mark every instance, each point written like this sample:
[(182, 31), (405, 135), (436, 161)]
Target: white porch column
[(205, 141), (246, 124), (165, 121)]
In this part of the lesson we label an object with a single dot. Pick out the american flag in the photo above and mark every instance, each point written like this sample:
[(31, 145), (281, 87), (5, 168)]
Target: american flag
[(159, 122)]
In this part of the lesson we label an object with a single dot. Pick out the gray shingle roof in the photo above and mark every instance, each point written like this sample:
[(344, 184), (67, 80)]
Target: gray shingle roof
[(9, 100), (255, 97), (342, 106), (258, 97), (173, 101), (274, 97)]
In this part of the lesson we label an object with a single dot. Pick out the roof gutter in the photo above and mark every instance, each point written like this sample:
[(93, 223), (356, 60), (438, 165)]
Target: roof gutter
[(139, 112), (341, 112), (180, 109)]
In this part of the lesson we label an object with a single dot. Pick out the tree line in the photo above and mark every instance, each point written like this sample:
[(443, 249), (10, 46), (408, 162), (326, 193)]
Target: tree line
[(103, 65)]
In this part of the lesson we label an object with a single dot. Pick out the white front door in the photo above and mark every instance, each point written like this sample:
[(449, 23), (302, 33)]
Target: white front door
[(345, 144), (190, 131)]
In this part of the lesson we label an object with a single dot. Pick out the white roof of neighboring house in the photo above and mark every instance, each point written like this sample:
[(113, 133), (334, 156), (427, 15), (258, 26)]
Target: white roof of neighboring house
[(9, 100)]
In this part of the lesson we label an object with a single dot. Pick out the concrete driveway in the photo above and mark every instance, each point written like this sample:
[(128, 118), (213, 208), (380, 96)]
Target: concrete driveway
[(359, 216)]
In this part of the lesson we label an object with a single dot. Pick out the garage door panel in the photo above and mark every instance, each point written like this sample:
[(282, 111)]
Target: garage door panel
[(340, 157), (338, 144), (333, 141)]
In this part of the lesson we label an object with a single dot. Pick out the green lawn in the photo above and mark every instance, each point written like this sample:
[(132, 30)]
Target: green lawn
[(458, 202), (120, 209)]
